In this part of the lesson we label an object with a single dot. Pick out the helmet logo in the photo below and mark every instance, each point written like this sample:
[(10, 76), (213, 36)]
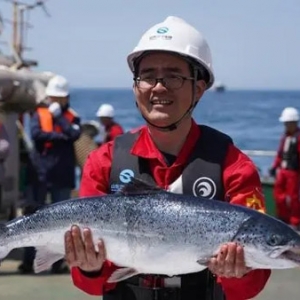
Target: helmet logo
[(162, 34), (162, 30)]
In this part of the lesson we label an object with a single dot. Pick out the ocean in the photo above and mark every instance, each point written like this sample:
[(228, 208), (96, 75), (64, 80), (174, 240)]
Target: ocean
[(249, 117)]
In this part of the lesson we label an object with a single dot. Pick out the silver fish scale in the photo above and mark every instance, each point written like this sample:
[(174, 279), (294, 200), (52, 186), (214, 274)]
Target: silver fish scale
[(186, 220), (170, 217)]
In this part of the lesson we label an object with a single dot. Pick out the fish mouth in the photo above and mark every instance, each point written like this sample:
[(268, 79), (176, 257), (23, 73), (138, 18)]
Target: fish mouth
[(292, 255)]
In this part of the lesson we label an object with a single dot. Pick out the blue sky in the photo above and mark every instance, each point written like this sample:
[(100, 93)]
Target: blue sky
[(255, 44)]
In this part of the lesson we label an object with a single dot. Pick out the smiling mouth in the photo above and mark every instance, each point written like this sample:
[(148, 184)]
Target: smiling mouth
[(161, 102)]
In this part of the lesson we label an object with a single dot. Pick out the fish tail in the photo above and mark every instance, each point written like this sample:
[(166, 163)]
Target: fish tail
[(4, 250)]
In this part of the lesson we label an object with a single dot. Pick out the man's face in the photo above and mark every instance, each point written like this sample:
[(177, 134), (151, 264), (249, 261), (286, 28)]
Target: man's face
[(105, 121), (163, 105), (63, 101), (291, 127)]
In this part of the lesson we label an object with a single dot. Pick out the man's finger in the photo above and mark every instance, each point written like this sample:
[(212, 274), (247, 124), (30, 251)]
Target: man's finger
[(213, 265), (78, 245), (240, 267), (222, 256), (102, 251), (89, 245), (70, 255), (230, 258)]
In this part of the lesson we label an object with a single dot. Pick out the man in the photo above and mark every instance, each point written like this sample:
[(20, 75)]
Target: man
[(286, 169), (172, 68), (54, 129), (106, 114), (4, 152)]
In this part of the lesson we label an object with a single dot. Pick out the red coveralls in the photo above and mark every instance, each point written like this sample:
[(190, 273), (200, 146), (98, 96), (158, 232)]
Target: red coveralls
[(287, 182), (112, 132), (241, 183)]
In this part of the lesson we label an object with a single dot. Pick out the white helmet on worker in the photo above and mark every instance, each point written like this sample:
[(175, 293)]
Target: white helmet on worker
[(57, 87), (105, 110), (289, 114), (177, 36)]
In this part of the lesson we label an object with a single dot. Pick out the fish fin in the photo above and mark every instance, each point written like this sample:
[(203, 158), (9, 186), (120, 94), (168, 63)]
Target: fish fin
[(122, 274), (3, 253), (204, 261), (31, 208), (137, 186), (3, 229), (45, 258), (3, 249)]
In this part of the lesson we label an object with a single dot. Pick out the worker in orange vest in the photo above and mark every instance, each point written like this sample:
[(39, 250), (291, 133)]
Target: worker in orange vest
[(54, 128)]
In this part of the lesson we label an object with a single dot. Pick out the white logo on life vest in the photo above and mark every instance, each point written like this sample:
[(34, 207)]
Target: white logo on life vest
[(204, 187), (125, 175)]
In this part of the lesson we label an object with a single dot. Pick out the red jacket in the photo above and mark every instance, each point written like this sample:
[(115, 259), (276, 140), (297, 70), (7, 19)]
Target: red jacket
[(278, 158), (241, 183), (112, 132)]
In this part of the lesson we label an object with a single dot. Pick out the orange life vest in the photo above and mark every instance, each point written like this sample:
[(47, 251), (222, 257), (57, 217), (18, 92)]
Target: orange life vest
[(46, 121)]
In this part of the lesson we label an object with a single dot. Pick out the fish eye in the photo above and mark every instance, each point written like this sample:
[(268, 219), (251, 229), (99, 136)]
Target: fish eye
[(274, 240)]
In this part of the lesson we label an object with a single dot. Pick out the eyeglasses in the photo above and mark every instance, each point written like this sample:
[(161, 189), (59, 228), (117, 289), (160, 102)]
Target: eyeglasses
[(169, 82)]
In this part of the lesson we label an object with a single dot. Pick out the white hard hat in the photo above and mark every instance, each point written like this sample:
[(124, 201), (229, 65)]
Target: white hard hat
[(57, 87), (175, 35), (105, 110), (94, 124), (289, 114)]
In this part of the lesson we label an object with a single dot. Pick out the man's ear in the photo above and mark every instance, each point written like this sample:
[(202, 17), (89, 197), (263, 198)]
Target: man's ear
[(200, 88)]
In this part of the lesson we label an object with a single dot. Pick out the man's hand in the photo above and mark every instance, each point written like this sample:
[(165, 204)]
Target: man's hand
[(229, 262), (55, 109), (81, 252)]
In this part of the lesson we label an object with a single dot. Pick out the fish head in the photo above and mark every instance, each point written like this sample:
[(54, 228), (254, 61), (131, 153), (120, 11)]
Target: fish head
[(268, 243)]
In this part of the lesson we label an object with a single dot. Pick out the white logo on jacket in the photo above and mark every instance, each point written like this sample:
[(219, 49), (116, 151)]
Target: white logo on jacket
[(204, 187)]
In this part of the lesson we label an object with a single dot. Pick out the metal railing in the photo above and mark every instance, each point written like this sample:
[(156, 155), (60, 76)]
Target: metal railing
[(268, 153), (265, 179)]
